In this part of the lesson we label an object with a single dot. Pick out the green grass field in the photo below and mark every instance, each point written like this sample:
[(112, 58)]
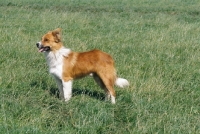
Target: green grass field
[(155, 44)]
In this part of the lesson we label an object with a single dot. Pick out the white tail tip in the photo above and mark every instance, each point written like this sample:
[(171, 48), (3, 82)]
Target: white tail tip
[(121, 82)]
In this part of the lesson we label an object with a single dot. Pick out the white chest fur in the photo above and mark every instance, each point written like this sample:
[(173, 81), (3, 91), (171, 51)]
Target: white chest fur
[(55, 61)]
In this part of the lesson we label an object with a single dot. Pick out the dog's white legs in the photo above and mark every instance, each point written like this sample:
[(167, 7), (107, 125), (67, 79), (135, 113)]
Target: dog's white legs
[(67, 90), (112, 99), (60, 87), (108, 97)]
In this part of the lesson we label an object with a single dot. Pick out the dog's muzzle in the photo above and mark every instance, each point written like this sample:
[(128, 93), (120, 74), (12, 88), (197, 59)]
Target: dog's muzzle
[(42, 48)]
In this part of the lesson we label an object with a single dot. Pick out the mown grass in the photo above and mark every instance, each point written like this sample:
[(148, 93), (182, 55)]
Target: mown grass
[(155, 45)]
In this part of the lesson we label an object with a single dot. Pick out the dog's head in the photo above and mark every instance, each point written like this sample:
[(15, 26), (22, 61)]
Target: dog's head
[(50, 41)]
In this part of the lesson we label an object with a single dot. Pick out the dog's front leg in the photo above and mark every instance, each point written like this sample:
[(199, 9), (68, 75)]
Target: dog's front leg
[(67, 89), (60, 87)]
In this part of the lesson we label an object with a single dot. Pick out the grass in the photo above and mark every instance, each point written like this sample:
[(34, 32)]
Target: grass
[(155, 45)]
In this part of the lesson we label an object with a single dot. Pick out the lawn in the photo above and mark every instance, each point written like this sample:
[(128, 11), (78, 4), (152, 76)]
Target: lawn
[(155, 45)]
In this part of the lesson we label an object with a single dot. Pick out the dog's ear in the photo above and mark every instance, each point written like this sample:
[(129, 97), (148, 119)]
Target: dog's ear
[(57, 34)]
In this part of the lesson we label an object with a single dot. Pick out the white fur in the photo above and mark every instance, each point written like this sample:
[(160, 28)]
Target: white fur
[(121, 82), (108, 97), (112, 99), (60, 87), (67, 90), (55, 63)]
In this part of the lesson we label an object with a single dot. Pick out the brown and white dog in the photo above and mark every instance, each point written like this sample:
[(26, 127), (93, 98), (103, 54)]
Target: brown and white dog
[(66, 65)]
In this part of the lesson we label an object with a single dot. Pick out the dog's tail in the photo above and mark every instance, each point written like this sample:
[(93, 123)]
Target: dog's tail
[(121, 82)]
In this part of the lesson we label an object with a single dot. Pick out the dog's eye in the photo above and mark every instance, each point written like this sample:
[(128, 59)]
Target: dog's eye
[(46, 39)]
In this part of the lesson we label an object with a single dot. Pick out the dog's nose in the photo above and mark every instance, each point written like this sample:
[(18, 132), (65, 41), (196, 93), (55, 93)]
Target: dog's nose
[(37, 44)]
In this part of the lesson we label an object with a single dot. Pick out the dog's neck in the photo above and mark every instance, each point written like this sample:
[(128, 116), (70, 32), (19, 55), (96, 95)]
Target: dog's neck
[(56, 57)]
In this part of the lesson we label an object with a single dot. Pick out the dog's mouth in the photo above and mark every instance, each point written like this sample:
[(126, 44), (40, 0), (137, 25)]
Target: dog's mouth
[(43, 49)]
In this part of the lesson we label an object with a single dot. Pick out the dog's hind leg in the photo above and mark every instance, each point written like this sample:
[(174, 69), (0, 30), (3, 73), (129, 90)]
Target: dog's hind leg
[(108, 77), (111, 91), (99, 81), (107, 84)]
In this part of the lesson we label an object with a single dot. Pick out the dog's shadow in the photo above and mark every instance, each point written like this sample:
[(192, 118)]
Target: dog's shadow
[(75, 91)]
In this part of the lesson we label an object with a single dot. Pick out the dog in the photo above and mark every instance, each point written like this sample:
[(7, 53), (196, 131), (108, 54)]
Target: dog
[(66, 65)]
